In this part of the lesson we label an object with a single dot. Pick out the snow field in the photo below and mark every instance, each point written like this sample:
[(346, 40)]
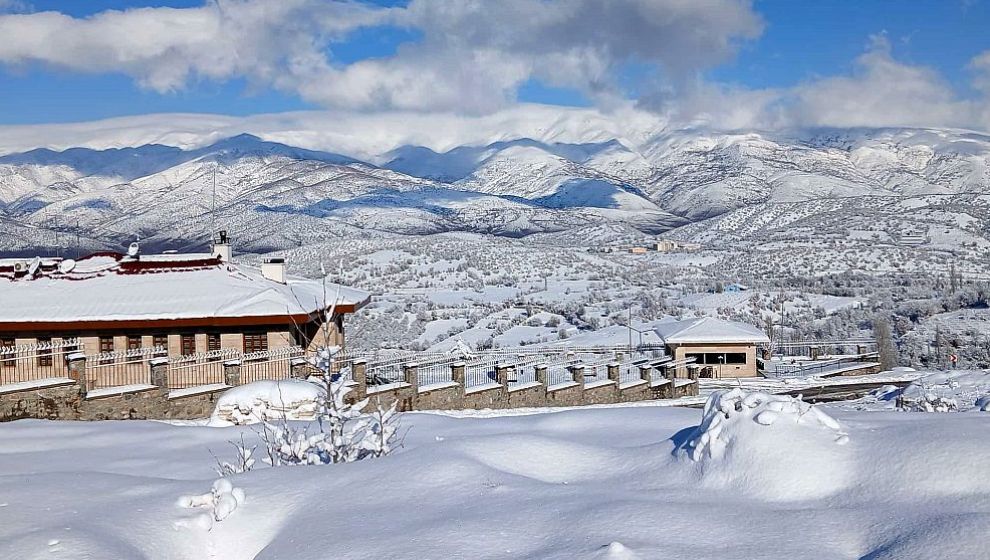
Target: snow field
[(613, 483)]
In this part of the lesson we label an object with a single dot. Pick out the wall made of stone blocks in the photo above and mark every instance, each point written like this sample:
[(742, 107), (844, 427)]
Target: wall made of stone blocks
[(68, 401), (50, 403)]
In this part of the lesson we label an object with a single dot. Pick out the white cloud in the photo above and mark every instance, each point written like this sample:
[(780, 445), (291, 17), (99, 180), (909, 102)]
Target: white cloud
[(165, 48), (473, 56), (880, 91)]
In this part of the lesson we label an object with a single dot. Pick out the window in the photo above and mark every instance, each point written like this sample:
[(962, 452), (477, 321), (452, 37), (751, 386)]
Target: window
[(698, 358), (715, 359), (735, 358), (213, 342), (106, 347), (45, 352), (188, 344), (160, 341), (255, 342), (133, 342), (10, 360)]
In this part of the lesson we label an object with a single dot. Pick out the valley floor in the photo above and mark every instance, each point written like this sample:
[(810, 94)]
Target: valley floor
[(613, 482)]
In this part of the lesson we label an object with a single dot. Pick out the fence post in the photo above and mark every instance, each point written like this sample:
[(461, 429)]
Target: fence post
[(644, 373), (577, 374), (77, 371), (457, 372), (411, 377), (359, 374), (232, 372), (159, 372), (693, 371), (540, 374), (614, 372), (502, 372), (299, 368)]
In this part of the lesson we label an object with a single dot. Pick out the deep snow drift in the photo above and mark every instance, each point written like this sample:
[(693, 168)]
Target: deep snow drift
[(753, 476)]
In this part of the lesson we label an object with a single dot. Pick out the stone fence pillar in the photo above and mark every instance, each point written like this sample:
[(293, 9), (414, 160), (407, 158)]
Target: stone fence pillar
[(232, 373), (502, 374), (411, 376), (645, 373), (359, 374), (159, 372), (77, 371), (457, 372), (577, 373), (693, 371), (540, 374), (614, 372), (615, 376), (299, 368)]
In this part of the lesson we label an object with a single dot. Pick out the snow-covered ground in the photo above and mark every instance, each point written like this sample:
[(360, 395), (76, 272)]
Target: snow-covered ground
[(764, 477)]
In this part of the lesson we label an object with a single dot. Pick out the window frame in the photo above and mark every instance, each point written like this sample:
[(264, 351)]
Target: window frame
[(44, 356)]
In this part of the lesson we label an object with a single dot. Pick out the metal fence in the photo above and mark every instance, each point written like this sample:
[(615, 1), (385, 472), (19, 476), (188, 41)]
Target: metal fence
[(270, 364), (559, 371), (34, 362), (115, 369), (194, 370)]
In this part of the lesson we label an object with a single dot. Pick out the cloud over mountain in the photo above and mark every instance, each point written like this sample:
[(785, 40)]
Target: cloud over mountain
[(471, 57)]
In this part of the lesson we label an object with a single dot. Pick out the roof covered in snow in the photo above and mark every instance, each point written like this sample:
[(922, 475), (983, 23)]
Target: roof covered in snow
[(709, 330), (114, 287)]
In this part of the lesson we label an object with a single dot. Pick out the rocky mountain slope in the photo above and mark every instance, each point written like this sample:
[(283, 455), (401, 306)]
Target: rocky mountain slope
[(712, 187)]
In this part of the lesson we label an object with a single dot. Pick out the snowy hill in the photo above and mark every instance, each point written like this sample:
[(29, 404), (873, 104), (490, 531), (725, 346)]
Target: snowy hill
[(715, 187)]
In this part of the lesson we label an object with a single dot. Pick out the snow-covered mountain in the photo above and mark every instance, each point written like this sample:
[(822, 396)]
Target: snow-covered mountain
[(714, 187)]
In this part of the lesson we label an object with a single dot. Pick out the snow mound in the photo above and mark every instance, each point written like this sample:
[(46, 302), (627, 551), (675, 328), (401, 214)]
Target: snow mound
[(221, 501), (773, 447), (618, 551), (291, 399), (941, 391)]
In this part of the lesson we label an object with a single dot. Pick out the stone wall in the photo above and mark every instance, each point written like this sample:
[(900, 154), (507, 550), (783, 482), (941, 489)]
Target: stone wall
[(69, 399)]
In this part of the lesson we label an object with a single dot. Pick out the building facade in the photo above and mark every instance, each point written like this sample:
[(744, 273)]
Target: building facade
[(719, 348), (177, 304)]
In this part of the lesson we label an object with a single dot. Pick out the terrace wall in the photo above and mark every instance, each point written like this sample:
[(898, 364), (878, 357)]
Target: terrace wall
[(72, 398)]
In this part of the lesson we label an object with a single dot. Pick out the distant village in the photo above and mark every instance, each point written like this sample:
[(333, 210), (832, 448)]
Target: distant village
[(660, 246)]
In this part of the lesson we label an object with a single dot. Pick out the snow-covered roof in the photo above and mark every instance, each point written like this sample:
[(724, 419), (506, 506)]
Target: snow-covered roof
[(113, 287), (709, 330)]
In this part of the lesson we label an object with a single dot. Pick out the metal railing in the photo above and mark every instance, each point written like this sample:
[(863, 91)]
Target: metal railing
[(270, 364), (33, 362), (194, 370), (115, 369)]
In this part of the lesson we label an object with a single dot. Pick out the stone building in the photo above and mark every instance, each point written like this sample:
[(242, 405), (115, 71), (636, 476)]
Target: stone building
[(184, 303), (720, 348)]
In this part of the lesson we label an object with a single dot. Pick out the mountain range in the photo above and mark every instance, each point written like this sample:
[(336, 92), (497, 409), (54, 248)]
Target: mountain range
[(715, 187)]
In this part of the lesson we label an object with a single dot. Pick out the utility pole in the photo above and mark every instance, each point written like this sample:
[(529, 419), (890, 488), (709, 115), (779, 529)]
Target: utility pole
[(58, 245), (629, 325), (213, 207)]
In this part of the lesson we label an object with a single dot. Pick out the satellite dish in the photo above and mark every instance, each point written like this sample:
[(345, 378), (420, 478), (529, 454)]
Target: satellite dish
[(133, 250), (34, 266), (66, 266)]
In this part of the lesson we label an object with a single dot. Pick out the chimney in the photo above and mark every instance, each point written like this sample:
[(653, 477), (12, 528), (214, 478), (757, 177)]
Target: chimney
[(274, 270), (221, 246)]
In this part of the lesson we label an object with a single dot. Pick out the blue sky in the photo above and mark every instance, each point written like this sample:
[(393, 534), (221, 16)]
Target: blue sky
[(800, 42)]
